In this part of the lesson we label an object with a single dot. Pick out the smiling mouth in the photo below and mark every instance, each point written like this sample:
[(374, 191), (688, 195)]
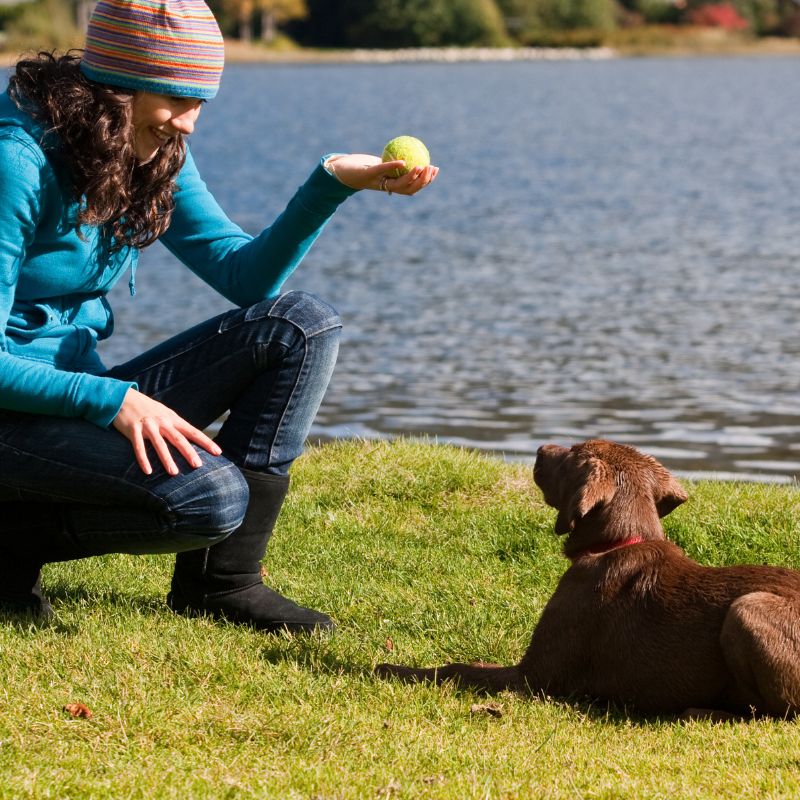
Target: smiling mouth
[(160, 135)]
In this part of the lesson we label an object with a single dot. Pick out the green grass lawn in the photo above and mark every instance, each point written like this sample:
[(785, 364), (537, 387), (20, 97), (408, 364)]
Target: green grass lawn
[(423, 554)]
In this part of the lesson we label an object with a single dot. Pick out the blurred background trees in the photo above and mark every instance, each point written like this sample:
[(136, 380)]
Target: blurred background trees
[(257, 19), (36, 24), (421, 23)]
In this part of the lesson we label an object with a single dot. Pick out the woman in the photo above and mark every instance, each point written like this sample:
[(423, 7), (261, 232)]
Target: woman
[(94, 167)]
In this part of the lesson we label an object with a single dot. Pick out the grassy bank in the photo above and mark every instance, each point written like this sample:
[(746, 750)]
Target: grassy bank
[(423, 554)]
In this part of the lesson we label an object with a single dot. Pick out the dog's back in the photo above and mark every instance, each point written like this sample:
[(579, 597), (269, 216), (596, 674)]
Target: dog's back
[(642, 625)]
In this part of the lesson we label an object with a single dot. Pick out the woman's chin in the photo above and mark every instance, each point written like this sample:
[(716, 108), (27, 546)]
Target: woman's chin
[(144, 157)]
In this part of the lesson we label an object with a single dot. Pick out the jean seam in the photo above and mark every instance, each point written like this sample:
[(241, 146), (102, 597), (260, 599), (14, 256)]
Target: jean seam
[(306, 336), (298, 379), (288, 404), (332, 323), (204, 476)]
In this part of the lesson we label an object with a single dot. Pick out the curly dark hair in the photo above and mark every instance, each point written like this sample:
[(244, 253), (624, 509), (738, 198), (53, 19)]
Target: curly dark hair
[(93, 149)]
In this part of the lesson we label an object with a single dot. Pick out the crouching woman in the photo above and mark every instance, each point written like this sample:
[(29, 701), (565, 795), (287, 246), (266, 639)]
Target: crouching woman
[(94, 167)]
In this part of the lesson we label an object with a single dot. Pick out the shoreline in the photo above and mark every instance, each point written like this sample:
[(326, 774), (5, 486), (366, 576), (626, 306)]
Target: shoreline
[(706, 43), (697, 43), (237, 53)]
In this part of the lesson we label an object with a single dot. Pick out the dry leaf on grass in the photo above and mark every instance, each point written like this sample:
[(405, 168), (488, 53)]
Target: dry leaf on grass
[(389, 644), (78, 710), (492, 709), (390, 789)]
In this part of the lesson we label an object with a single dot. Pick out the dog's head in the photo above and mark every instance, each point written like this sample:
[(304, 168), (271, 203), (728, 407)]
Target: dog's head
[(605, 492)]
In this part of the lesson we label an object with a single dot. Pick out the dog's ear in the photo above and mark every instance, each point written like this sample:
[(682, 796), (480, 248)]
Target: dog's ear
[(669, 494), (589, 483)]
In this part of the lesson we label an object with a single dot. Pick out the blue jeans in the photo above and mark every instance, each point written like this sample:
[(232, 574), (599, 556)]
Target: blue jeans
[(268, 366)]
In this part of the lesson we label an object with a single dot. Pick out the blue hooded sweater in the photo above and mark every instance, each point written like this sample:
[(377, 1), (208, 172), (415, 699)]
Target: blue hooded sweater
[(53, 282)]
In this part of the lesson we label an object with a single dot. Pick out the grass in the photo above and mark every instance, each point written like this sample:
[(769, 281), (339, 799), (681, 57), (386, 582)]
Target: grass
[(423, 554)]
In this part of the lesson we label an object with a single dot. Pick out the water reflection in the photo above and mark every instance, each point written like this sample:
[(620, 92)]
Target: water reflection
[(610, 250)]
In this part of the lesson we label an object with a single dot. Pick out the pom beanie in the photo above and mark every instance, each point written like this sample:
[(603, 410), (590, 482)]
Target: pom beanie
[(170, 47)]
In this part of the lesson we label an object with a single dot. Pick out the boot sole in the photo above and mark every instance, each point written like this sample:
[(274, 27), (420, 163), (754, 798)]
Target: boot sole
[(276, 627)]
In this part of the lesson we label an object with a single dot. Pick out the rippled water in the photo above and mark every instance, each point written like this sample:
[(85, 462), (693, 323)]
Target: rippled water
[(611, 249)]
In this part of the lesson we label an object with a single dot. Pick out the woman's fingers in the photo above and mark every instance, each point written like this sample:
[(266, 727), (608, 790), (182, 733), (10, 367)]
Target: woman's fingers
[(161, 433), (198, 437), (381, 176), (183, 446), (139, 450), (413, 181), (142, 419), (409, 182), (152, 430), (385, 167), (181, 435), (362, 171)]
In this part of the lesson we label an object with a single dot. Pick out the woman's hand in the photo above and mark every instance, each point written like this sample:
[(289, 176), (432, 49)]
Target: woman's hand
[(143, 419), (361, 171)]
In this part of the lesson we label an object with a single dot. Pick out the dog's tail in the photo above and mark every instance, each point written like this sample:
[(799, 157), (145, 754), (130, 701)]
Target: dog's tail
[(488, 677)]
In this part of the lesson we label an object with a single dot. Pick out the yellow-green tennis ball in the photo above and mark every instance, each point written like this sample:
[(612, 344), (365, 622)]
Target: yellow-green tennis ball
[(410, 150)]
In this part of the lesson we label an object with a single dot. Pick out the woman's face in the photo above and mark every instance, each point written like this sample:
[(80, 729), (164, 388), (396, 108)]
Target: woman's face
[(157, 118)]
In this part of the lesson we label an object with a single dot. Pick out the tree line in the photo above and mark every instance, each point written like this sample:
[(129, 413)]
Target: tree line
[(425, 23), (436, 23)]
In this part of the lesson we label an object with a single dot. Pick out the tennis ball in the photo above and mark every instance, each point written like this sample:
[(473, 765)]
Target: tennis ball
[(410, 150)]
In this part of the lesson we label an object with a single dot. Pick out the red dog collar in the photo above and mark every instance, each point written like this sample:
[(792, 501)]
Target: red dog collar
[(599, 549)]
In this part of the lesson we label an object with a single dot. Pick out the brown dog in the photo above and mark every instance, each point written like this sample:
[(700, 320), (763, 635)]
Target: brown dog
[(633, 619)]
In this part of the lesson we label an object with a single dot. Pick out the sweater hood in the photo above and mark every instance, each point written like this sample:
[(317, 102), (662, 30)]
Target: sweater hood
[(11, 116)]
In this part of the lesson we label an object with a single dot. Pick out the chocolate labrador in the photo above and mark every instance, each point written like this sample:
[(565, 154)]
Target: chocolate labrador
[(633, 620)]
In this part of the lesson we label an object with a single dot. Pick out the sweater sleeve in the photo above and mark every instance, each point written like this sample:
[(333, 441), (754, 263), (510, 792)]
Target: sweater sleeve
[(241, 267), (26, 385)]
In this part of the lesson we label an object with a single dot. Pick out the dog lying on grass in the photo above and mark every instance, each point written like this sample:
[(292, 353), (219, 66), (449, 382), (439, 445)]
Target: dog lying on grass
[(633, 620)]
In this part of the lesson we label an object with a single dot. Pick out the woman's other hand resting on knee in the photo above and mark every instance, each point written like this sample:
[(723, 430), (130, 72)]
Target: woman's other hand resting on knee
[(142, 419)]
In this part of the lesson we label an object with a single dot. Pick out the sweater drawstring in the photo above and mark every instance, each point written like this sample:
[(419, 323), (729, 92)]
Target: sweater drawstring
[(132, 281)]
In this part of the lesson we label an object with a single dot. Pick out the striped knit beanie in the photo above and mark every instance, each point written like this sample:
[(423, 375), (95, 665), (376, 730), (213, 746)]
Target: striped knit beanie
[(170, 47)]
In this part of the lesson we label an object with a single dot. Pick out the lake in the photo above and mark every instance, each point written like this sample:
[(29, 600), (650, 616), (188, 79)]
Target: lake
[(611, 249)]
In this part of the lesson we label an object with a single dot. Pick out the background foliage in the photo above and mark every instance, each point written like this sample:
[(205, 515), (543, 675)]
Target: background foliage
[(426, 23)]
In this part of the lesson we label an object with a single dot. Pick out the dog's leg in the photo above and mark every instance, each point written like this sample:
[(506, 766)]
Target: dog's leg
[(761, 643), (488, 677)]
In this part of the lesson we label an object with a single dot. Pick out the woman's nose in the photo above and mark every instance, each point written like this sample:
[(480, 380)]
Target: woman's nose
[(184, 122)]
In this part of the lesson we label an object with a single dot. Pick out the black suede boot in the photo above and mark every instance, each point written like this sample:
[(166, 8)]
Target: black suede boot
[(22, 557), (225, 580), (25, 598)]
